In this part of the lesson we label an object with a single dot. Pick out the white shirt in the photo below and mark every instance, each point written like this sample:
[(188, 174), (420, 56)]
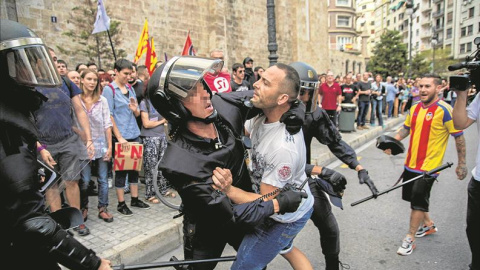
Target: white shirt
[(473, 112), (278, 158)]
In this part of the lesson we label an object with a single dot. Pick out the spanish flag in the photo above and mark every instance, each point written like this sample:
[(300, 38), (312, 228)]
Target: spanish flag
[(142, 43), (151, 60)]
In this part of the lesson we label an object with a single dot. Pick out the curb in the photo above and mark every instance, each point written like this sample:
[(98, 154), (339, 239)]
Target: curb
[(148, 246), (328, 157)]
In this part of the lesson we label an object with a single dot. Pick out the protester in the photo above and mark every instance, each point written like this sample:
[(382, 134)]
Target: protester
[(428, 123), (74, 76), (463, 117), (330, 97), (376, 100), (62, 67), (30, 239), (249, 73), (364, 92), (206, 134), (349, 91), (238, 82), (123, 107), (392, 92), (96, 107), (258, 72)]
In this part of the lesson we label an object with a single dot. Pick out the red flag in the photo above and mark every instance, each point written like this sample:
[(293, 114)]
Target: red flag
[(188, 47), (151, 59)]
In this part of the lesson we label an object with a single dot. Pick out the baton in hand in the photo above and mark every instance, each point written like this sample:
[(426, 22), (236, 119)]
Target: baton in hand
[(172, 263), (438, 169)]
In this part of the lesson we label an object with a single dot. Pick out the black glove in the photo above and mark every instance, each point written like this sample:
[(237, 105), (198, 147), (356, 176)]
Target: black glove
[(289, 201), (293, 118), (335, 178), (364, 178)]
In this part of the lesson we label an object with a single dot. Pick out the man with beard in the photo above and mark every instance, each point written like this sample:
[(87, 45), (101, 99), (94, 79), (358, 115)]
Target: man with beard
[(428, 123)]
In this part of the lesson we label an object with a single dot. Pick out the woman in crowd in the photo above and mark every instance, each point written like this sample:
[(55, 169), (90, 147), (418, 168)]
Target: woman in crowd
[(104, 79), (154, 144), (96, 107)]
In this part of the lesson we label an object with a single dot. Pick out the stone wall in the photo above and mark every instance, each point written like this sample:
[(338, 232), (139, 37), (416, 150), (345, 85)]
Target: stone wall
[(237, 26)]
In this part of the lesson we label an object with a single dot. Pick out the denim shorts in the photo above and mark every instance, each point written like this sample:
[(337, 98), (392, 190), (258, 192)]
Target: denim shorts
[(267, 240)]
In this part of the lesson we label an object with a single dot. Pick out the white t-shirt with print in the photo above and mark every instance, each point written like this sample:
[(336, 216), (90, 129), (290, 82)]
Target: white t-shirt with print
[(473, 112), (278, 158)]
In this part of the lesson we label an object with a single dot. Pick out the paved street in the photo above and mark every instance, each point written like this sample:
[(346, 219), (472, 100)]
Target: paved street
[(372, 231)]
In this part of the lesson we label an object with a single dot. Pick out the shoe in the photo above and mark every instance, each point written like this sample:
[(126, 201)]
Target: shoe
[(82, 230), (104, 214), (372, 125), (85, 214), (407, 247), (426, 230), (366, 127), (139, 204), (92, 192), (124, 210), (110, 182), (359, 127), (383, 126)]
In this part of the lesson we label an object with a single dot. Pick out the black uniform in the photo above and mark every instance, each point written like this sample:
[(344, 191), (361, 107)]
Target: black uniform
[(211, 220)]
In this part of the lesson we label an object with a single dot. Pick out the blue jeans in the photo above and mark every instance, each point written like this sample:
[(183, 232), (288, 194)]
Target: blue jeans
[(376, 111), (102, 180), (261, 246), (362, 112), (390, 108)]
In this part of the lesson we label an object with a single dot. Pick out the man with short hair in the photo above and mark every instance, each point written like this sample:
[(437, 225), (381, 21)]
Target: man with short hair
[(463, 117), (364, 91), (92, 66), (392, 91), (428, 123), (238, 83), (62, 67), (330, 97)]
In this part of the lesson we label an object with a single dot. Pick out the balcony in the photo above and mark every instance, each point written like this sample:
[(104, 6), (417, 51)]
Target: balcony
[(426, 35), (438, 13), (438, 28), (437, 1), (426, 23), (427, 9)]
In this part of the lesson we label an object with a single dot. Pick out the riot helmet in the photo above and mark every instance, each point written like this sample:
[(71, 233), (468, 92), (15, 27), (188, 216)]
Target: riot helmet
[(24, 58), (308, 85), (174, 80)]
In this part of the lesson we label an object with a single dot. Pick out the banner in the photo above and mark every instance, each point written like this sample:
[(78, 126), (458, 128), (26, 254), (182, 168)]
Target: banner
[(151, 59), (102, 23), (129, 157), (142, 43), (188, 47)]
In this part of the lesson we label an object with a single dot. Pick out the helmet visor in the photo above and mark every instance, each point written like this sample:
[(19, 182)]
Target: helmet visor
[(309, 95), (32, 66), (184, 73)]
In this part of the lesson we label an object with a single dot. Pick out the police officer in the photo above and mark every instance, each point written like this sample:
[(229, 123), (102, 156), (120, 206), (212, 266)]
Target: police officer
[(318, 125), (29, 239), (205, 134)]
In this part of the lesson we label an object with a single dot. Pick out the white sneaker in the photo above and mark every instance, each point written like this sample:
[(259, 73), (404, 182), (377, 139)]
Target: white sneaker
[(407, 247), (110, 182)]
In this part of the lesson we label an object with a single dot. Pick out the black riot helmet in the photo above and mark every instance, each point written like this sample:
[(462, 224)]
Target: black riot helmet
[(172, 82), (308, 85), (24, 58)]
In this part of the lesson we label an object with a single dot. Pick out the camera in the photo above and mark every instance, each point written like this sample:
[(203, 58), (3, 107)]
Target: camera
[(472, 64)]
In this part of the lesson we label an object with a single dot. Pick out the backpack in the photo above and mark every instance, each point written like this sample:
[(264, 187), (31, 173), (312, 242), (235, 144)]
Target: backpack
[(129, 88)]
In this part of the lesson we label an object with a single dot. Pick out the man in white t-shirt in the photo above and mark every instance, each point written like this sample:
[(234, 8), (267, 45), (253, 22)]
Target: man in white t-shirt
[(463, 117), (277, 159)]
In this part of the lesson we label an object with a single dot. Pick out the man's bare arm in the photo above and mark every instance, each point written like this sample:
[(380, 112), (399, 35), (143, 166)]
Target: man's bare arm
[(402, 133), (461, 169)]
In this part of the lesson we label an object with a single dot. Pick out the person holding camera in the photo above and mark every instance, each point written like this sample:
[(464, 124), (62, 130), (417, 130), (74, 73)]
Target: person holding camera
[(464, 117)]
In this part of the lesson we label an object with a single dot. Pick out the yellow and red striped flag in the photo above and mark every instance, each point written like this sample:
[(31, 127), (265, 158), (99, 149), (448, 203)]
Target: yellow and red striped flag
[(142, 43), (151, 59)]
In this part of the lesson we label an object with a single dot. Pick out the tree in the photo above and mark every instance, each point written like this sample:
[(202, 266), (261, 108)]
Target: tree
[(443, 59), (94, 47), (419, 66), (389, 55)]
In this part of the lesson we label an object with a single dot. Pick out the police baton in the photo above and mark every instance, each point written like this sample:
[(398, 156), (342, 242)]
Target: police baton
[(172, 263), (438, 169)]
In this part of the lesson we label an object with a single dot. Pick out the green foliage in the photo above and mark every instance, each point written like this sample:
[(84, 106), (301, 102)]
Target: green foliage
[(420, 66), (389, 55), (92, 47), (442, 60)]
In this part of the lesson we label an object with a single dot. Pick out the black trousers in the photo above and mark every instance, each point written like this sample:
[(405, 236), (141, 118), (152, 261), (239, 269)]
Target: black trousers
[(327, 225), (333, 116), (473, 222)]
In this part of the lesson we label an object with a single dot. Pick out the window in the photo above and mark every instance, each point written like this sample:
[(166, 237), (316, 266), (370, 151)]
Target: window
[(343, 2), (450, 17), (449, 33), (364, 7), (372, 31), (462, 48), (417, 44), (388, 23), (469, 46), (343, 41), (417, 33), (372, 23), (469, 30), (463, 31), (418, 19), (343, 21), (394, 19), (471, 12), (400, 16)]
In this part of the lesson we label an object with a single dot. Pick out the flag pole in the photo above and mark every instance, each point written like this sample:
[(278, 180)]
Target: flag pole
[(111, 44)]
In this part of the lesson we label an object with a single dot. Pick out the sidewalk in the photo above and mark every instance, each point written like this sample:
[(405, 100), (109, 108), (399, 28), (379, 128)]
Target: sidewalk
[(149, 234)]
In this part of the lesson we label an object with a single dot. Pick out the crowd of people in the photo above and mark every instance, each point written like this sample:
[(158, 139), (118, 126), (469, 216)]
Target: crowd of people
[(84, 116)]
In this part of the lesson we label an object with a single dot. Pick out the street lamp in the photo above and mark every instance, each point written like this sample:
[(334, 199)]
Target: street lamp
[(272, 32), (410, 10), (434, 42)]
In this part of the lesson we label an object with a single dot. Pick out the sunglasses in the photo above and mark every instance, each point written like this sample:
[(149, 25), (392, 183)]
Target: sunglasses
[(241, 71)]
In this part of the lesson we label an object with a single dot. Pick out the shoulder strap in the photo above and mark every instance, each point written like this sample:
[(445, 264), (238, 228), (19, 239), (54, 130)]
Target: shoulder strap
[(68, 83), (113, 89)]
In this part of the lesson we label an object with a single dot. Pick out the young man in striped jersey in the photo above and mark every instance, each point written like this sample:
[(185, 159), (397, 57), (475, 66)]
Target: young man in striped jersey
[(428, 123)]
